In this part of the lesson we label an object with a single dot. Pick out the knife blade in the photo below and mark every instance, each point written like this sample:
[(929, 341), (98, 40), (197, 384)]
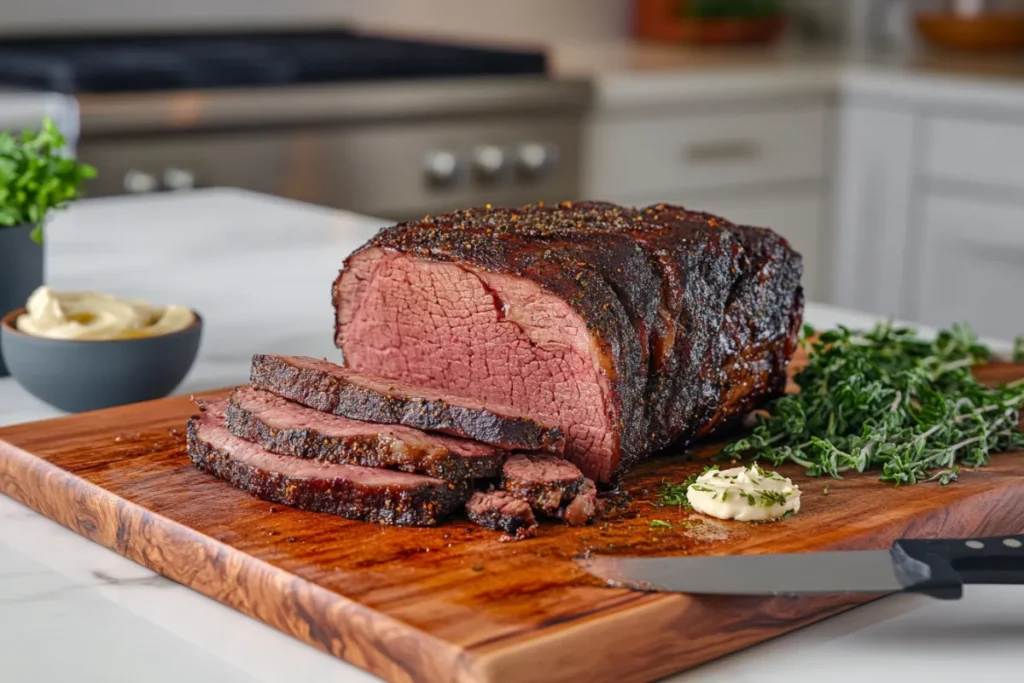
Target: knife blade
[(936, 567)]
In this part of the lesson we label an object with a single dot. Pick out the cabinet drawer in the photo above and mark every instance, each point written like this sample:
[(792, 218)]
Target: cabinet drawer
[(971, 266), (646, 156), (975, 151)]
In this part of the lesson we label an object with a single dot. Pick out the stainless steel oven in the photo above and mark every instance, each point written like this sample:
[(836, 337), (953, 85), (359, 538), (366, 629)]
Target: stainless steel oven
[(385, 125), (395, 150)]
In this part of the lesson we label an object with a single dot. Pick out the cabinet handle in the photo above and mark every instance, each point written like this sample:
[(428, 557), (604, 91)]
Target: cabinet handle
[(721, 150)]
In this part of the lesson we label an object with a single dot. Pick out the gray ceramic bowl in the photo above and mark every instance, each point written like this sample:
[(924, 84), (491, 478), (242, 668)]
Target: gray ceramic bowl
[(88, 375)]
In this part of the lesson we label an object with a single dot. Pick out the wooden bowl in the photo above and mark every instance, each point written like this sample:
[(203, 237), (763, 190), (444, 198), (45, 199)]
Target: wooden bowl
[(997, 32)]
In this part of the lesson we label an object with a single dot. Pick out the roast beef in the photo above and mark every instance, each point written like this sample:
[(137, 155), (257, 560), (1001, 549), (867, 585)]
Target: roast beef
[(333, 389), (584, 506), (281, 426), (364, 493), (546, 482), (631, 329), (501, 511)]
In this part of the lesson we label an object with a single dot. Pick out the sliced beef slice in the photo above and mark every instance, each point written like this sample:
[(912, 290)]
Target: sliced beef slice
[(284, 427), (501, 511), (330, 388), (584, 506), (364, 493), (546, 482)]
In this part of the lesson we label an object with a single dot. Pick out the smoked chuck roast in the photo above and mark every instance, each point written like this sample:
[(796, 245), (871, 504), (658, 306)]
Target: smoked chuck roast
[(629, 329)]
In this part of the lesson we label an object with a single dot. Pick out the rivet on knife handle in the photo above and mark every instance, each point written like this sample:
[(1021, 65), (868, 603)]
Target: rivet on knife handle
[(941, 567)]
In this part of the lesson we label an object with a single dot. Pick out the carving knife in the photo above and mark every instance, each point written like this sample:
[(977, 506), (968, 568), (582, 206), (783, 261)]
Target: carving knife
[(939, 568)]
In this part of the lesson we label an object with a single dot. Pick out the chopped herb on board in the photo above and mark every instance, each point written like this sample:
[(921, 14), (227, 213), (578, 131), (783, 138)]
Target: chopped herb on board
[(887, 400), (675, 494)]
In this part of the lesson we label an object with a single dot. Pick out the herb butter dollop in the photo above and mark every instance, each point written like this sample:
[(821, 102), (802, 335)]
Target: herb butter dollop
[(97, 316), (746, 494)]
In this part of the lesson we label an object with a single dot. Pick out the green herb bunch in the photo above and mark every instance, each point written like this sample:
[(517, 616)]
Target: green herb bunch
[(730, 9), (886, 399), (35, 177)]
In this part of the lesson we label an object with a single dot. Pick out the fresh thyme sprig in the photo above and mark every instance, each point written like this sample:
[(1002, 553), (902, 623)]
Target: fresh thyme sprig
[(886, 399), (675, 494)]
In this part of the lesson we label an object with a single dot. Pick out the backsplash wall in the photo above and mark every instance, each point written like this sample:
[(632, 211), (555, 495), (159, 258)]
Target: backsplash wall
[(530, 20), (512, 19)]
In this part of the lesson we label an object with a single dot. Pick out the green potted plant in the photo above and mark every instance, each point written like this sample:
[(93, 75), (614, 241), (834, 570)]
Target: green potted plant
[(732, 21), (36, 177)]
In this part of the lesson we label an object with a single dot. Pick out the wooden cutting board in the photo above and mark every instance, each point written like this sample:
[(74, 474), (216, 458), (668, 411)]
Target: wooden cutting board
[(453, 603)]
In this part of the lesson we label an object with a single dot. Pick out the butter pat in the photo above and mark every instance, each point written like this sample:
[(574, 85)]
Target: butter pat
[(97, 316), (746, 494)]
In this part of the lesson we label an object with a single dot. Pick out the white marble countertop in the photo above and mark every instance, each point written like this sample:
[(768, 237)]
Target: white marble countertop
[(628, 74), (259, 270)]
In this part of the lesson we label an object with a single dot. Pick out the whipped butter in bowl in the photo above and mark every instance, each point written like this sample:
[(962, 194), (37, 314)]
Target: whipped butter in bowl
[(83, 351), (97, 316)]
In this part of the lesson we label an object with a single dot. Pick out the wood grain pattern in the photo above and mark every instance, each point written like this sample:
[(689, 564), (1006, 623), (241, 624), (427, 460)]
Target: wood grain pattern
[(452, 603)]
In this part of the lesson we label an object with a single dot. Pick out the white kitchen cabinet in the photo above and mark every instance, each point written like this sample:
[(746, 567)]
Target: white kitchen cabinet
[(873, 208), (971, 265), (974, 151), (743, 146), (929, 221)]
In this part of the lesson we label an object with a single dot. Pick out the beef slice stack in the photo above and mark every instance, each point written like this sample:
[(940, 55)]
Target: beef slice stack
[(512, 358), (311, 434)]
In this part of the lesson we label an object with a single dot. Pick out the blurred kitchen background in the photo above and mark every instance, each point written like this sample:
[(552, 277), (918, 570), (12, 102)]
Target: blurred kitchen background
[(885, 139)]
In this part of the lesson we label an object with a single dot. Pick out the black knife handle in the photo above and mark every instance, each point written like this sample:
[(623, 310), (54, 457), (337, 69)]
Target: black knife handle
[(941, 567)]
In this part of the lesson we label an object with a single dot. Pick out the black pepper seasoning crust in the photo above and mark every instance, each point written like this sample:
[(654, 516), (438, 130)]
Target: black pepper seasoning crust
[(695, 318), (335, 392), (389, 505)]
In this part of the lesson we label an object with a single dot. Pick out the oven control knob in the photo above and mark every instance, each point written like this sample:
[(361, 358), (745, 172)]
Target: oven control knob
[(536, 158), (179, 179), (441, 167), (139, 182), (488, 161)]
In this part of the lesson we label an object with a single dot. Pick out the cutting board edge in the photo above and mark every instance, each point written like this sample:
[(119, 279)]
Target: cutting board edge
[(652, 659), (49, 497)]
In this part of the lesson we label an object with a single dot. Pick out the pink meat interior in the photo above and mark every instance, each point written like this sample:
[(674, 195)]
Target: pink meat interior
[(541, 469), (497, 339)]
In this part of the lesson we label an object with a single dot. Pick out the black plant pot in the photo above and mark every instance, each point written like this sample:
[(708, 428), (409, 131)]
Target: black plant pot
[(21, 270)]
